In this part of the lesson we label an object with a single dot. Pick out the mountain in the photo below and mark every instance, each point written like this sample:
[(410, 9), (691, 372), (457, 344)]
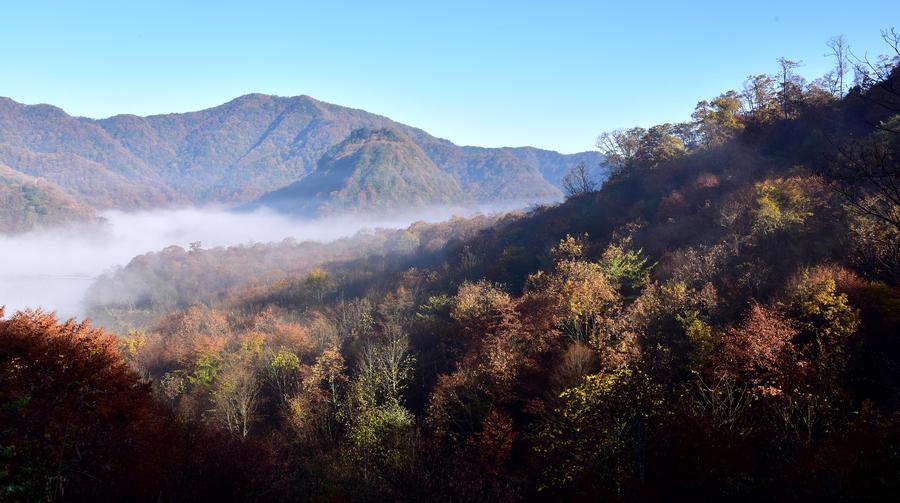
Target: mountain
[(236, 152), (25, 201), (373, 169)]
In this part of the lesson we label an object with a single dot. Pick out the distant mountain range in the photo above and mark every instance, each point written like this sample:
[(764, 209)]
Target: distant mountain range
[(296, 153)]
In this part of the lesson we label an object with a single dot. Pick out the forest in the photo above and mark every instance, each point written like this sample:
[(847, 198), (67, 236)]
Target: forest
[(719, 320)]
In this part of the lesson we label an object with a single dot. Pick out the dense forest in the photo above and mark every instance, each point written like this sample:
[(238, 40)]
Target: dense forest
[(718, 320)]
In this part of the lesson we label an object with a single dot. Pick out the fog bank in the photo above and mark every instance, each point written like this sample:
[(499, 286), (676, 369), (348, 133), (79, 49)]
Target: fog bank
[(53, 268)]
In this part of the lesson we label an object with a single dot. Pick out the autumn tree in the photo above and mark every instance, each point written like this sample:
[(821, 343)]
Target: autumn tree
[(719, 119), (760, 98), (579, 291), (236, 398), (825, 318), (283, 373), (659, 144), (760, 351), (781, 204), (578, 181), (69, 405), (319, 284)]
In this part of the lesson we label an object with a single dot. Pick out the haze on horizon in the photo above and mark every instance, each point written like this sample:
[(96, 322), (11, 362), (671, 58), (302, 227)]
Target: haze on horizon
[(51, 268), (555, 78)]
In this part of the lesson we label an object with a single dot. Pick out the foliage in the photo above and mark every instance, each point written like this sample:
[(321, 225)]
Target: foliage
[(600, 423), (781, 204)]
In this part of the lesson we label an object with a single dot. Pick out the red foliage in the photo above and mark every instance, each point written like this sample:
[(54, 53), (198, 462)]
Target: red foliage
[(78, 424)]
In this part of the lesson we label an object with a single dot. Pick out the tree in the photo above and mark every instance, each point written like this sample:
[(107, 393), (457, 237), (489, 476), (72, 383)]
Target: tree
[(641, 148), (578, 290), (328, 374), (759, 351), (759, 98), (782, 203), (381, 439), (319, 283), (826, 319), (283, 373), (659, 144), (386, 366), (595, 439), (620, 147), (625, 268), (236, 398), (720, 119), (577, 181), (840, 52), (68, 406), (866, 173), (877, 80), (790, 87), (76, 424)]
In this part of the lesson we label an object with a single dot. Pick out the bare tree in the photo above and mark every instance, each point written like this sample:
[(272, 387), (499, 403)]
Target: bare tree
[(867, 171), (867, 175), (578, 181), (388, 365), (236, 398), (875, 78), (621, 147), (839, 51)]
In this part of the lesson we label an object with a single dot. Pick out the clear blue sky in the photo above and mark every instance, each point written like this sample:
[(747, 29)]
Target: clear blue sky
[(550, 74)]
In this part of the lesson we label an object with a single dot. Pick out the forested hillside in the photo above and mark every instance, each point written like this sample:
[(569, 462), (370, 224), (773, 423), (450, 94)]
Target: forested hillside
[(719, 321), (255, 144), (26, 201), (372, 170)]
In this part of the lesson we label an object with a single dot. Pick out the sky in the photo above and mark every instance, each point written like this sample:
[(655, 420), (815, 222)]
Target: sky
[(489, 73)]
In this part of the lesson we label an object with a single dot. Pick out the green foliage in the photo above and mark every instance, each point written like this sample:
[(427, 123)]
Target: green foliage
[(437, 306), (205, 370), (626, 268)]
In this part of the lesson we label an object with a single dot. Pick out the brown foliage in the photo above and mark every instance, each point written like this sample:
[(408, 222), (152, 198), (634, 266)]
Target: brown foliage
[(759, 351)]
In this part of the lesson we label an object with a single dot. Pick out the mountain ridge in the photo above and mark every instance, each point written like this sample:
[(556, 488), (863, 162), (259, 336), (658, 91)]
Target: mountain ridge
[(239, 151)]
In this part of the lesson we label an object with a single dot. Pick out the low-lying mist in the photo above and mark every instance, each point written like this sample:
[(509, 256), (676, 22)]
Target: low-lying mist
[(52, 268)]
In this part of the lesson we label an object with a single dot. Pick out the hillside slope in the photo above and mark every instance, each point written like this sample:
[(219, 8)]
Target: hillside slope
[(735, 304), (372, 170), (26, 202)]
